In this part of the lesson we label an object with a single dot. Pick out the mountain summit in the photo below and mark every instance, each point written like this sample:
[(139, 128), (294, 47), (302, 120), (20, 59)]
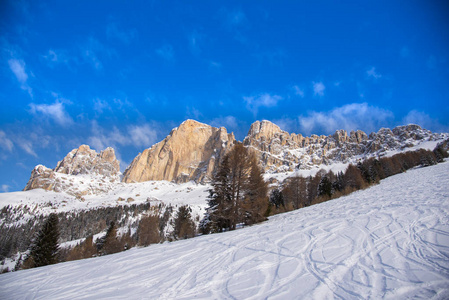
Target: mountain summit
[(83, 171), (191, 151)]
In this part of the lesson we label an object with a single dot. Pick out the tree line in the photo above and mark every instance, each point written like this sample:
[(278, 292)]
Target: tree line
[(297, 191), (44, 248)]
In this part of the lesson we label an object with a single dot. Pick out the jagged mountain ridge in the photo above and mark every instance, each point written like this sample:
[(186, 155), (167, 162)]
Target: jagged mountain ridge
[(83, 171), (283, 152), (193, 151)]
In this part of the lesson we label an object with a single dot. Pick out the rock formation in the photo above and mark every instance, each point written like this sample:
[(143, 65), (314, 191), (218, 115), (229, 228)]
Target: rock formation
[(83, 171), (282, 152), (190, 152), (193, 152)]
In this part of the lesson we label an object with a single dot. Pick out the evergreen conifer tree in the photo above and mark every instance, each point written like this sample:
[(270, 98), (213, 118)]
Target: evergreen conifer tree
[(44, 250), (184, 227)]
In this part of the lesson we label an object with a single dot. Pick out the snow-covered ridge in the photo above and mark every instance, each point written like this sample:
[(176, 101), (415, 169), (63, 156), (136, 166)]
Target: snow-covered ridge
[(387, 242), (283, 152), (82, 172), (42, 202)]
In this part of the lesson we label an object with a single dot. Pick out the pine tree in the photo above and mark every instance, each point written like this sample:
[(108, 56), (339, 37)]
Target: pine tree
[(256, 200), (45, 249), (217, 216), (238, 194), (277, 198), (325, 186), (184, 227), (109, 244)]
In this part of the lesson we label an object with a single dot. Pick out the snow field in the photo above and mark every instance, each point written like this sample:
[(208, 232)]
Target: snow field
[(390, 241)]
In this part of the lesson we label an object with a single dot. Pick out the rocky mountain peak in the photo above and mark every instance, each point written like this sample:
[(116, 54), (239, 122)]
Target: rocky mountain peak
[(191, 151), (263, 129), (101, 168), (85, 161)]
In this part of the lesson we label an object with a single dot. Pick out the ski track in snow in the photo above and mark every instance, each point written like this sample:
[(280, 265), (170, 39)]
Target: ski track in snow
[(390, 241)]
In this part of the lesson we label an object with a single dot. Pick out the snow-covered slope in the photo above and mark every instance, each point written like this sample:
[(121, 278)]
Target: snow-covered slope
[(390, 241)]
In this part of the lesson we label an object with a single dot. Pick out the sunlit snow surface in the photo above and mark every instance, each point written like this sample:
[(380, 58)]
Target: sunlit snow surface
[(390, 241)]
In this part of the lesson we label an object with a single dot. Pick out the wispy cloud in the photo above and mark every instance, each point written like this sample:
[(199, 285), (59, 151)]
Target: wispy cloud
[(229, 122), (142, 135), (5, 142), (55, 111), (57, 57), (318, 88), (424, 120), (26, 145), (101, 105), (298, 91), (264, 100), (17, 66), (166, 52), (92, 50), (349, 117), (5, 188), (372, 73)]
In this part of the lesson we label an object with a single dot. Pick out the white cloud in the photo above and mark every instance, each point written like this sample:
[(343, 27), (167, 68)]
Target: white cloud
[(27, 146), (166, 52), (263, 100), (53, 111), (136, 135), (349, 117), (142, 136), (229, 122), (17, 66), (101, 105), (286, 124), (92, 50), (318, 89), (424, 120), (298, 91), (55, 57), (193, 113), (101, 138), (5, 188), (5, 142), (372, 73)]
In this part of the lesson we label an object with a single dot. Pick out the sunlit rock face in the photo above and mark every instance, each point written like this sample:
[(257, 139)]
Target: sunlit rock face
[(191, 151), (82, 171), (281, 151)]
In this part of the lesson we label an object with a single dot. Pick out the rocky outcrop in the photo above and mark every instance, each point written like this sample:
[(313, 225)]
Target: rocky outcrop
[(283, 152), (83, 171), (190, 152), (87, 161)]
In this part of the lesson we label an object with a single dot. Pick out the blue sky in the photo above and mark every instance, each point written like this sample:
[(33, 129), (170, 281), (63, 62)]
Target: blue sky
[(124, 73)]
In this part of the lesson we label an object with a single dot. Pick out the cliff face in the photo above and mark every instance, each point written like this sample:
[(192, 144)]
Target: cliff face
[(190, 152), (83, 171), (281, 152)]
